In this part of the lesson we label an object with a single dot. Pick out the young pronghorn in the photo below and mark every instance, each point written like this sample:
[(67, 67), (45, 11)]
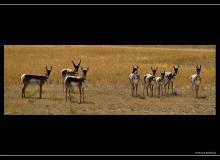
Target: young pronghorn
[(69, 72), (76, 81), (150, 81), (196, 80), (160, 82), (27, 79), (134, 79), (169, 79)]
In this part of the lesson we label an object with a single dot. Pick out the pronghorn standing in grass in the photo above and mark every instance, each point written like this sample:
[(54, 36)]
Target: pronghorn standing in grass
[(134, 80), (150, 81), (69, 72), (27, 79), (76, 81), (160, 82), (196, 80), (169, 79)]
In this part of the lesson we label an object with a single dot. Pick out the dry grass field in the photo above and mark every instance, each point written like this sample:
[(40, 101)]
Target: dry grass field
[(108, 88)]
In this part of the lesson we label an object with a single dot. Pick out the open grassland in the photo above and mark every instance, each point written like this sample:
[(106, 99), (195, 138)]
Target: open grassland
[(108, 88)]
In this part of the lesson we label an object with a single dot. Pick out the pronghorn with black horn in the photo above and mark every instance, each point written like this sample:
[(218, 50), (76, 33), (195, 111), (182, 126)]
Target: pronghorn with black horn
[(150, 81), (134, 80), (70, 72), (27, 79), (76, 81), (160, 82), (196, 80), (169, 79)]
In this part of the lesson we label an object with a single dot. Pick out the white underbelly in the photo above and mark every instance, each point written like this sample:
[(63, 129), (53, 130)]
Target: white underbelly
[(34, 81), (76, 84), (197, 82)]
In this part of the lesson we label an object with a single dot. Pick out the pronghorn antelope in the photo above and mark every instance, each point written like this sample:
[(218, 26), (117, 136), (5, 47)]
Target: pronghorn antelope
[(70, 72), (76, 81), (196, 80), (134, 79), (160, 82), (169, 79), (150, 81), (27, 79)]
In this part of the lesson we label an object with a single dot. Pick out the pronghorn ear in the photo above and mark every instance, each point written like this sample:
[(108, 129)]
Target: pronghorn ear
[(87, 68), (200, 66), (79, 62), (178, 66), (151, 68), (73, 63), (174, 67), (46, 67), (197, 67), (51, 68), (137, 66)]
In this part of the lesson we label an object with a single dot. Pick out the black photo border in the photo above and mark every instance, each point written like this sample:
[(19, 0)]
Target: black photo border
[(110, 135)]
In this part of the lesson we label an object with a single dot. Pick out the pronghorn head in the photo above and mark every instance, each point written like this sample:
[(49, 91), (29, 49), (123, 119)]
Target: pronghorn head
[(48, 71), (198, 69), (76, 67), (84, 70), (154, 70), (135, 69), (162, 74), (175, 69)]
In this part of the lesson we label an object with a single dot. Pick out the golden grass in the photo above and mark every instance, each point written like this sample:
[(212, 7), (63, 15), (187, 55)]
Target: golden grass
[(109, 70)]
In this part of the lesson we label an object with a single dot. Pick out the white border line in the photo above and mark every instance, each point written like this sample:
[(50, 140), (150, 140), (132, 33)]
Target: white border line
[(113, 4)]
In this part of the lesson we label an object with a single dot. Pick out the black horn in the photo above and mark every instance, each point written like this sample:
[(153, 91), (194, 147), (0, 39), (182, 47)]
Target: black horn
[(73, 63), (79, 62)]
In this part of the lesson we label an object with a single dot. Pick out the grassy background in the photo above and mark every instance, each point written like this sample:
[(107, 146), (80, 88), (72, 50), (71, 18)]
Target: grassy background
[(108, 89)]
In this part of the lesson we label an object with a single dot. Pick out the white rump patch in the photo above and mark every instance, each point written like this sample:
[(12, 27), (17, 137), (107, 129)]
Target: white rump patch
[(34, 81), (22, 78)]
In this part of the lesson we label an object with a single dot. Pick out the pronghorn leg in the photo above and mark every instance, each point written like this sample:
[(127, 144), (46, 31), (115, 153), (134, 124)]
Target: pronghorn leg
[(80, 93), (193, 90), (83, 93), (147, 90), (172, 87), (69, 91), (23, 91), (161, 89), (136, 89), (132, 90), (40, 91), (158, 91), (168, 88), (197, 88), (165, 89), (63, 83), (66, 92), (152, 90), (144, 89)]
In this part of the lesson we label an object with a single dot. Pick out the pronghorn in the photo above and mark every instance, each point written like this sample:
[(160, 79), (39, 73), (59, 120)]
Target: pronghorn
[(27, 79), (134, 79), (69, 72), (169, 79), (149, 80), (76, 81), (196, 80), (160, 82)]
